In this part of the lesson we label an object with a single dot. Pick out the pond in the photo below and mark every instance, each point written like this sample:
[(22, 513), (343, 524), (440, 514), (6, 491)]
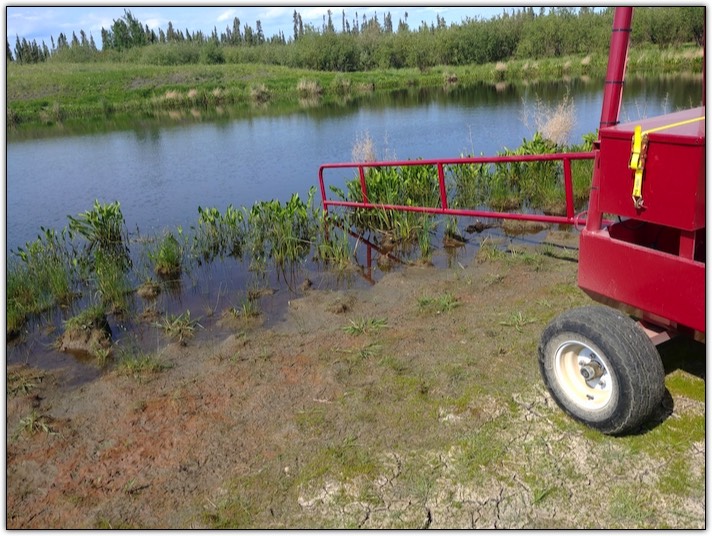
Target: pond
[(162, 170)]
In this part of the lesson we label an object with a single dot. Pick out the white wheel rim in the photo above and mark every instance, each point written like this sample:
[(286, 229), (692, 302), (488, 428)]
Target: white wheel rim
[(583, 374)]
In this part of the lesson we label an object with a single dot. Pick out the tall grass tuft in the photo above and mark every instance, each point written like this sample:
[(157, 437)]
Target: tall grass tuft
[(104, 228), (112, 282), (39, 276), (363, 149), (554, 123), (260, 94), (167, 257), (218, 234), (309, 88), (341, 85)]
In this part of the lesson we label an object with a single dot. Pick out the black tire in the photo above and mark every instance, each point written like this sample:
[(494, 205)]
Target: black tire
[(601, 368)]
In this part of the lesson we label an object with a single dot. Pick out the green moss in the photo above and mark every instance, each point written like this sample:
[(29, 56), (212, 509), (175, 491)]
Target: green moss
[(680, 383)]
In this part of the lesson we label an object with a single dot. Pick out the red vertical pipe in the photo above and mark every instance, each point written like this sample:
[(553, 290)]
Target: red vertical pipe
[(568, 188), (362, 178), (617, 58), (441, 182)]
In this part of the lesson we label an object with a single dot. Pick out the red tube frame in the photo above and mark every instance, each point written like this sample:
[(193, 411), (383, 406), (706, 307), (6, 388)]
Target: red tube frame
[(440, 164)]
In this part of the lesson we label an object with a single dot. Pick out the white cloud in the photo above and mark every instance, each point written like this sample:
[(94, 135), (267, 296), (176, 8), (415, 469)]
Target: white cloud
[(227, 15), (276, 12), (156, 23)]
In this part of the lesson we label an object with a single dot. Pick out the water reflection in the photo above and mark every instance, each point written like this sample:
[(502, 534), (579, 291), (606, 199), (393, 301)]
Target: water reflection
[(161, 169)]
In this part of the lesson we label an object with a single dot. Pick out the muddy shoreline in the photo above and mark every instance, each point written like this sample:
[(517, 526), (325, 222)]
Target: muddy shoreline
[(427, 415)]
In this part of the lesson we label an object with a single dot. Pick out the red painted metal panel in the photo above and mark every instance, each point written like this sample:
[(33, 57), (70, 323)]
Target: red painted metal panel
[(659, 283), (674, 173)]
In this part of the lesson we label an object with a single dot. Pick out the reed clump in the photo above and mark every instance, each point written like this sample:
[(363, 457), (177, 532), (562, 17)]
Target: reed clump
[(309, 89), (39, 276), (260, 94)]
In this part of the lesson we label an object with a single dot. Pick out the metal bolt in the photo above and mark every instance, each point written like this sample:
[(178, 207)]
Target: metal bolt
[(587, 372)]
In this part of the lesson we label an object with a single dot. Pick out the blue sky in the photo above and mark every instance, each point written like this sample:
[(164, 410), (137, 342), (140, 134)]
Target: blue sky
[(39, 23)]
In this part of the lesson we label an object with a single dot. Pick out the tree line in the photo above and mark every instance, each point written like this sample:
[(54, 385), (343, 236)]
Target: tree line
[(370, 41)]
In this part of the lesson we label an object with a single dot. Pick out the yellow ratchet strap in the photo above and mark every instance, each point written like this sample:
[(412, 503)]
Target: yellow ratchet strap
[(638, 153), (637, 164)]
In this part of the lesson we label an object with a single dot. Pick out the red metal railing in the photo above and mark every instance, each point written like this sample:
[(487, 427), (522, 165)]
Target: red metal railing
[(440, 164)]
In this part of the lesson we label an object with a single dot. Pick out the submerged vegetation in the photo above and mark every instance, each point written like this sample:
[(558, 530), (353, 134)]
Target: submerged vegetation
[(537, 186), (93, 261)]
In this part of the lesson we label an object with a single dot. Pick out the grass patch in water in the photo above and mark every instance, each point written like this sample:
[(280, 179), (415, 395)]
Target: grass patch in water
[(179, 327), (138, 364), (168, 257)]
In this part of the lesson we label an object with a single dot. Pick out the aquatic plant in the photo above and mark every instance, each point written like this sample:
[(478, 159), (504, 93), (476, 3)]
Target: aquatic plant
[(332, 246), (406, 185), (112, 281), (39, 276), (180, 327), (218, 234), (509, 185), (104, 228), (283, 233), (167, 257)]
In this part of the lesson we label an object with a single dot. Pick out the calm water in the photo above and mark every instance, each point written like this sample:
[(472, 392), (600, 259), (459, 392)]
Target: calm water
[(161, 173), (162, 170)]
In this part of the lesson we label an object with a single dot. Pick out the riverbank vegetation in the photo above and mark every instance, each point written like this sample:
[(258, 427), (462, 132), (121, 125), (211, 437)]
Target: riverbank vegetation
[(139, 72), (93, 262)]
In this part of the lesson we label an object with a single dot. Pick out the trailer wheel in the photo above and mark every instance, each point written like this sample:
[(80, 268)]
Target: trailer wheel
[(601, 368)]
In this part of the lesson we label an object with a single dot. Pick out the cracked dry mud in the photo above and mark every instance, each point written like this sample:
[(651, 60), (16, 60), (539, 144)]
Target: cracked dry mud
[(436, 420)]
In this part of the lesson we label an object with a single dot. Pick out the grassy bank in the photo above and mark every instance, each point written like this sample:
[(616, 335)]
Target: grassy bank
[(51, 93)]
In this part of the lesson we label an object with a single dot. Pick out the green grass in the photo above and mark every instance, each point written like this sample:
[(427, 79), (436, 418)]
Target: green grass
[(179, 327), (168, 257), (440, 304), (92, 316), (146, 83), (34, 423), (364, 325), (112, 281), (39, 276), (247, 309), (138, 364)]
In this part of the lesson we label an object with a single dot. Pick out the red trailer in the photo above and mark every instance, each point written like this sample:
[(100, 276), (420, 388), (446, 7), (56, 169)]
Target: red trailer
[(599, 363), (645, 261)]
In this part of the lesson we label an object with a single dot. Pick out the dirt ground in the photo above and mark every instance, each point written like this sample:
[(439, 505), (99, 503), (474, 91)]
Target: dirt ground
[(415, 403)]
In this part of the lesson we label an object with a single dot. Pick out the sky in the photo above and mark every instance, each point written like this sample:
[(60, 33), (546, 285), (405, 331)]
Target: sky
[(39, 23)]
